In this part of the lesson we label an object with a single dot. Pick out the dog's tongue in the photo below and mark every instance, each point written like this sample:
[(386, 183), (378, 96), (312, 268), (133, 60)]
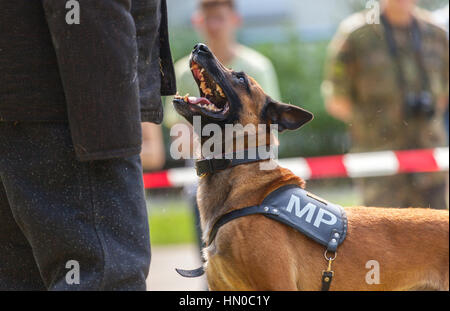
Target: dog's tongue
[(199, 100), (197, 73)]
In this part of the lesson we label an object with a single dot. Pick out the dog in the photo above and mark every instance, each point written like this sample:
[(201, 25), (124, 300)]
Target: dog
[(255, 253)]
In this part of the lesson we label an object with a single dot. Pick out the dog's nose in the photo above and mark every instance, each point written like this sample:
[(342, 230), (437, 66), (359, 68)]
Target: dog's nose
[(202, 48)]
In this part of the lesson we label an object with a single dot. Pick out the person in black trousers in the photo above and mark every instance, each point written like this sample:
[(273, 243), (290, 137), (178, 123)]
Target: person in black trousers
[(72, 98)]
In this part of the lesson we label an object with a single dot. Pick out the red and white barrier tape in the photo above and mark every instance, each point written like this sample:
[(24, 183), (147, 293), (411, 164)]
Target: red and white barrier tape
[(353, 165)]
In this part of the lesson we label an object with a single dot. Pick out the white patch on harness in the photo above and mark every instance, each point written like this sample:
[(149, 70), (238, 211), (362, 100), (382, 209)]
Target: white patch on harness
[(308, 210)]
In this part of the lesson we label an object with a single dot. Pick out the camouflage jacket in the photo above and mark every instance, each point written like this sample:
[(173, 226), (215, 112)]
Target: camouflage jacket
[(361, 68)]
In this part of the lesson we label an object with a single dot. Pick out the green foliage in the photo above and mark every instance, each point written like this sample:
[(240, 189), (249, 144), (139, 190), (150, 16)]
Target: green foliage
[(182, 42), (300, 68)]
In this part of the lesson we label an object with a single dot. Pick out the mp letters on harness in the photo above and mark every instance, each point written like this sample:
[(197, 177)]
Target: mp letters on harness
[(322, 221)]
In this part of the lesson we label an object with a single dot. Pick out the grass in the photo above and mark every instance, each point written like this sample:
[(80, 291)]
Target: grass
[(171, 222)]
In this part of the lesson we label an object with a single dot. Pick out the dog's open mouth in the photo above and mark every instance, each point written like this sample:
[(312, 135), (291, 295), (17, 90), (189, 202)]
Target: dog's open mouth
[(212, 101)]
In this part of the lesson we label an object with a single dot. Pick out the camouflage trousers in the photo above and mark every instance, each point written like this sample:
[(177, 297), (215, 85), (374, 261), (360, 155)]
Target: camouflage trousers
[(428, 190)]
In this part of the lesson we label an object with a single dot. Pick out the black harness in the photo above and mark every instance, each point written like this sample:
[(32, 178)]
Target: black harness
[(324, 222)]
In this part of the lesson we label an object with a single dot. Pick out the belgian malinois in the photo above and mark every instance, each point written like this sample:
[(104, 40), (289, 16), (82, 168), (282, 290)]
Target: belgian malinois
[(409, 246)]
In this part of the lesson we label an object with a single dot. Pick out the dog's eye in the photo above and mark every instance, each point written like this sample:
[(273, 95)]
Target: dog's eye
[(241, 78)]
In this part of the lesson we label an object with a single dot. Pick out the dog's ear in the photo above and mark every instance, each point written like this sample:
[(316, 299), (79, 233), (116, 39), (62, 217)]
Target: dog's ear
[(288, 117)]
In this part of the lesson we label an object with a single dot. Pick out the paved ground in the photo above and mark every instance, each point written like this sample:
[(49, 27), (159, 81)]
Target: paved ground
[(165, 259)]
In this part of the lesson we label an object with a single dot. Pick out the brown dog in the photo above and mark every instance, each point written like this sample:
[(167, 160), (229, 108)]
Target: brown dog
[(254, 252)]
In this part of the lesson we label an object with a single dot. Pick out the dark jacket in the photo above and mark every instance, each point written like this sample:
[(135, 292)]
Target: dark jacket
[(103, 76)]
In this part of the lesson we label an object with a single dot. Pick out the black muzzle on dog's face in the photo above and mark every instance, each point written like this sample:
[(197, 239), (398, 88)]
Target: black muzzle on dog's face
[(217, 101)]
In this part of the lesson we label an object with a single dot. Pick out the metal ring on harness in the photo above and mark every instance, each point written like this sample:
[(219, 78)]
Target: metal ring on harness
[(329, 258)]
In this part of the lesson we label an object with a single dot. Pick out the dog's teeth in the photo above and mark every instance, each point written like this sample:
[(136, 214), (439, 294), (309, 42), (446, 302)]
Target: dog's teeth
[(213, 107), (219, 89)]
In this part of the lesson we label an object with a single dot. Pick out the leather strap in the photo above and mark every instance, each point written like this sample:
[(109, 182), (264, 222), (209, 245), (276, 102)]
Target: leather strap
[(251, 210), (211, 166), (418, 53), (327, 277)]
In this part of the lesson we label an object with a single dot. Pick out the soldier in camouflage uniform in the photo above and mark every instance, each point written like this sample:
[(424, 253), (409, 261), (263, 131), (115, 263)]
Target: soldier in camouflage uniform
[(362, 88)]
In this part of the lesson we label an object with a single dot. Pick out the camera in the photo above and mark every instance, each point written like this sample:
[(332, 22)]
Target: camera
[(421, 104)]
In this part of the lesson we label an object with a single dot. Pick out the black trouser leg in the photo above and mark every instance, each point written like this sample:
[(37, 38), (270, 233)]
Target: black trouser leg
[(92, 213), (18, 269)]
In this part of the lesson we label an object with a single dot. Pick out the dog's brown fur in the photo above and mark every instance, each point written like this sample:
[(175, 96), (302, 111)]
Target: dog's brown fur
[(257, 253)]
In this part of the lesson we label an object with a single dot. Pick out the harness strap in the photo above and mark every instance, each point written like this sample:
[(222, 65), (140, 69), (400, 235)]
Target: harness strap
[(251, 210)]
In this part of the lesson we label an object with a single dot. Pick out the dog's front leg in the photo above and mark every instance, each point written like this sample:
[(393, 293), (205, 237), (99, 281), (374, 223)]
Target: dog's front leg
[(244, 257)]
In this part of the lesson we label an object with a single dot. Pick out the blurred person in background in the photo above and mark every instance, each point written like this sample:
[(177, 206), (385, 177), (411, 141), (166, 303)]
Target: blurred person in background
[(441, 17), (218, 21), (153, 155), (389, 82)]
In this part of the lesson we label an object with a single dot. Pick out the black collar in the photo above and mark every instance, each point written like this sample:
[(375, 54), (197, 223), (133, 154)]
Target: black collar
[(211, 166)]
